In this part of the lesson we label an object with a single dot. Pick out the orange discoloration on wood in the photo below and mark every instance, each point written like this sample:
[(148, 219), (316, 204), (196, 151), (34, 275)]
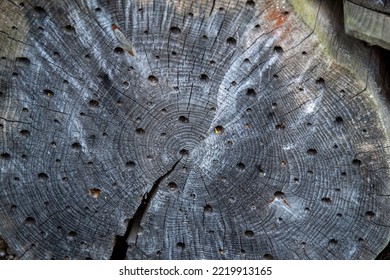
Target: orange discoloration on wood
[(279, 20), (276, 18)]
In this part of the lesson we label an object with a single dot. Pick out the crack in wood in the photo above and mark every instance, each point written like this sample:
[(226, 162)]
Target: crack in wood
[(130, 237)]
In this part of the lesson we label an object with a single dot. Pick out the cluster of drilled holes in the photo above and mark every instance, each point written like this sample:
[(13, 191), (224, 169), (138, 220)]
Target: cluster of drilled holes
[(94, 192), (231, 41), (204, 77), (249, 233), (76, 146), (118, 50), (93, 103), (278, 49), (175, 30), (48, 92), (250, 92), (218, 129), (43, 176), (312, 152), (183, 119), (153, 79)]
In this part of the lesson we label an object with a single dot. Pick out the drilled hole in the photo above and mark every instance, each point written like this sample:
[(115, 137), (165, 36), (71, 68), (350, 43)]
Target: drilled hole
[(69, 28), (39, 10), (48, 92), (326, 200), (93, 103), (25, 133), (71, 235), (204, 77), (130, 164), (312, 152), (280, 126), (140, 130), (240, 166), (184, 152), (339, 120), (172, 186), (356, 162), (218, 129), (249, 233), (268, 257), (175, 30), (153, 79), (370, 214), (76, 146), (279, 194), (231, 41), (95, 193), (29, 221), (320, 81), (250, 92), (43, 176), (183, 119), (208, 209), (118, 50), (333, 242), (23, 61), (180, 245), (278, 49)]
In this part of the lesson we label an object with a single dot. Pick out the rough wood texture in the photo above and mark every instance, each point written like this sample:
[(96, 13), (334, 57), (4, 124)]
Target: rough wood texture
[(232, 133), (366, 24)]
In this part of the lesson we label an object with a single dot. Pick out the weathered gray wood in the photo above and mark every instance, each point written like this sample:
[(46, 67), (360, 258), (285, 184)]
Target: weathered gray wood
[(376, 5), (233, 133), (369, 25)]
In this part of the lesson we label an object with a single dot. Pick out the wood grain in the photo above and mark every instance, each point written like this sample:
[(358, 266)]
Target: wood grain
[(254, 141)]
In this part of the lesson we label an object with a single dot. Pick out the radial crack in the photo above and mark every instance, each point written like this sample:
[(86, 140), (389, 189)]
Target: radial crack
[(130, 237)]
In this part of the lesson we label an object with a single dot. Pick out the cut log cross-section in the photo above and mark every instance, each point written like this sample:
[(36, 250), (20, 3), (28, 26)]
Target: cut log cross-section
[(138, 129)]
